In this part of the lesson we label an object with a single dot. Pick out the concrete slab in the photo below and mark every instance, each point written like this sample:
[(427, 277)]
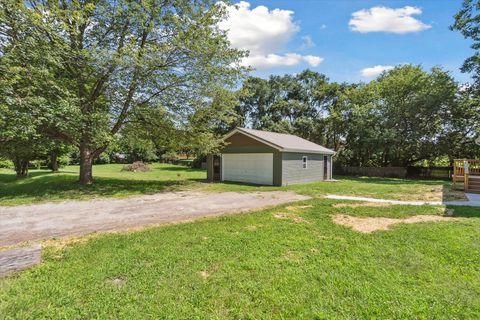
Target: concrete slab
[(19, 259)]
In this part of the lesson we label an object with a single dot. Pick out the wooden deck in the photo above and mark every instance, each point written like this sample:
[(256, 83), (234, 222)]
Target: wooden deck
[(466, 175)]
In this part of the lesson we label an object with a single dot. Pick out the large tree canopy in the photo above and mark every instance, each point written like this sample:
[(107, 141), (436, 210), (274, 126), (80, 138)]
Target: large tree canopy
[(404, 117), (106, 60), (467, 21)]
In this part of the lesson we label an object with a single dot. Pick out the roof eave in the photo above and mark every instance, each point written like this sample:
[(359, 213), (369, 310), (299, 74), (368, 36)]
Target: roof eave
[(329, 152)]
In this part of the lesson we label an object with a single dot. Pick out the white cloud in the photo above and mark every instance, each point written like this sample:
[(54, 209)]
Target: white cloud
[(314, 61), (375, 71), (383, 19), (260, 30), (272, 60), (264, 33), (307, 42)]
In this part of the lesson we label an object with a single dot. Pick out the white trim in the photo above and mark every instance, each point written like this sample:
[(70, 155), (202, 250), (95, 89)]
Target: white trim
[(308, 151), (331, 168)]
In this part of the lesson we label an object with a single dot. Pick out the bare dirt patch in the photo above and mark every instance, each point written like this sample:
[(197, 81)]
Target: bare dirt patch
[(362, 204), (75, 218), (372, 224), (118, 282), (436, 194), (296, 208), (290, 256), (290, 216)]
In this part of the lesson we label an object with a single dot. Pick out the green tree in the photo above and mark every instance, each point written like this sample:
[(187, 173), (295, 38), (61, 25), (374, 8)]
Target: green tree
[(467, 21), (400, 118), (296, 104), (201, 132), (114, 58)]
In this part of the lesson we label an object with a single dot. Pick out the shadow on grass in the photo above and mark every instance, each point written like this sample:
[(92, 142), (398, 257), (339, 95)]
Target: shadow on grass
[(53, 187), (465, 211), (11, 177), (178, 169)]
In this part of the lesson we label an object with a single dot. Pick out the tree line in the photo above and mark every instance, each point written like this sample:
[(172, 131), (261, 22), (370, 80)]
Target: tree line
[(407, 116), (100, 78), (80, 72)]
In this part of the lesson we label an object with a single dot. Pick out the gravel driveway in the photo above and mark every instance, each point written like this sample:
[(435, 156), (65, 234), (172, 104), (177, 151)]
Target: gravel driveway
[(60, 219)]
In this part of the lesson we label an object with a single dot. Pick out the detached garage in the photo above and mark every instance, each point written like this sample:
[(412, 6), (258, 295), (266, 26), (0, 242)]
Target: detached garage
[(269, 158)]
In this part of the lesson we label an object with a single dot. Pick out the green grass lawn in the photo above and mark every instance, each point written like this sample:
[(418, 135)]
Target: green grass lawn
[(110, 181), (257, 266), (280, 263)]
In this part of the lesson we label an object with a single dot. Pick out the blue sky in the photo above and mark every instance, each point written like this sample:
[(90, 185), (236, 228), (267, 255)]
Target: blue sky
[(316, 34)]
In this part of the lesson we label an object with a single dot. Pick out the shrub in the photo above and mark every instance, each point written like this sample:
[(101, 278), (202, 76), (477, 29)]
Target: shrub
[(37, 164), (64, 160), (5, 163), (169, 156), (137, 166)]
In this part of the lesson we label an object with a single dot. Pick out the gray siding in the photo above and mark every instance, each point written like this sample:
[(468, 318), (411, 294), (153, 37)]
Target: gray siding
[(287, 166), (293, 172), (210, 167)]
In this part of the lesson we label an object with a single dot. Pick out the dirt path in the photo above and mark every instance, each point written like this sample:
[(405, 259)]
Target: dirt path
[(48, 220)]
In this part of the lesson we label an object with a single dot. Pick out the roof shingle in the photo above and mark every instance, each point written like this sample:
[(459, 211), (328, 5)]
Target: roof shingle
[(285, 142)]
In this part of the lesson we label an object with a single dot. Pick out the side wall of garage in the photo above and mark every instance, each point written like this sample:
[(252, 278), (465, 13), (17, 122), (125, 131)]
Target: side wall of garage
[(293, 171)]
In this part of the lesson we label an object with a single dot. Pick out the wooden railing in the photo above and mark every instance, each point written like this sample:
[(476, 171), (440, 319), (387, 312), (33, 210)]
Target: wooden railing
[(464, 170)]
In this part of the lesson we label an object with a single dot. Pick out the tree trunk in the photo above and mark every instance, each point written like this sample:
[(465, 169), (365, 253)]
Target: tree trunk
[(86, 163), (21, 167), (54, 162)]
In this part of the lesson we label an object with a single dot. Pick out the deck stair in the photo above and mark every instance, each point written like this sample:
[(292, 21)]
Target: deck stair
[(473, 184), (467, 174)]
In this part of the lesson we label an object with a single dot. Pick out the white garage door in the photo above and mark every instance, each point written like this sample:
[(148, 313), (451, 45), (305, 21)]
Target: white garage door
[(248, 167)]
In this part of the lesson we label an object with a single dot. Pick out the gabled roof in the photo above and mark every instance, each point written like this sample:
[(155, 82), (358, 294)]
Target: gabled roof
[(281, 141)]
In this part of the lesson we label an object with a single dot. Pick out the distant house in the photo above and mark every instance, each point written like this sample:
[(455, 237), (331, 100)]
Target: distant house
[(269, 158)]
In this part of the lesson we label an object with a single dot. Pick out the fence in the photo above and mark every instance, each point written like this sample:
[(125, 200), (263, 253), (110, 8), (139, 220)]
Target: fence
[(430, 172), (396, 172)]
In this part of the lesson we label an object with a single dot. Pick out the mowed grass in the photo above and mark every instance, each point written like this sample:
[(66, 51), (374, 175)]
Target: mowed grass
[(289, 262), (111, 181)]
